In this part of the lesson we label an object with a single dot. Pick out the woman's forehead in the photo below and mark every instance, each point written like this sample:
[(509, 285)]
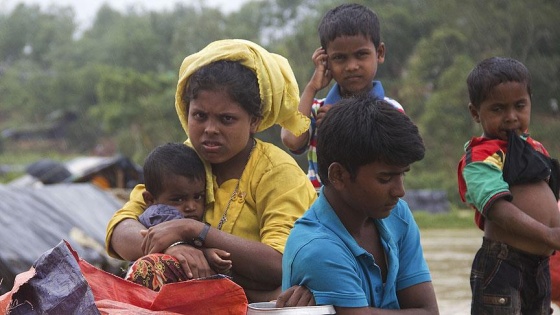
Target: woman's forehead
[(215, 101)]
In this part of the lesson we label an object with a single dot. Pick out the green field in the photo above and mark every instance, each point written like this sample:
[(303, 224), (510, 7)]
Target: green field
[(454, 219)]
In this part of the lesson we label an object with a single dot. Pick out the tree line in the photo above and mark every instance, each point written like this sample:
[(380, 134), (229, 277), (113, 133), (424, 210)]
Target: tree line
[(119, 74)]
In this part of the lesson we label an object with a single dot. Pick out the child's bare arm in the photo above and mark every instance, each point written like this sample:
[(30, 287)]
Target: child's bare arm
[(320, 79), (530, 222)]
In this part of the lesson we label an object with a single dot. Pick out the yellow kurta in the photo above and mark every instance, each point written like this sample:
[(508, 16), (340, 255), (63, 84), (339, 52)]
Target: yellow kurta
[(274, 193)]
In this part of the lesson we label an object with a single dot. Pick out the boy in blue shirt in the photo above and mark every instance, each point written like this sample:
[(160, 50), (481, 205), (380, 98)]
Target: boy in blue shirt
[(350, 52), (358, 247)]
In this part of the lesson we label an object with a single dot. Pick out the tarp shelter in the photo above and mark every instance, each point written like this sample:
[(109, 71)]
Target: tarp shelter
[(106, 172), (35, 219)]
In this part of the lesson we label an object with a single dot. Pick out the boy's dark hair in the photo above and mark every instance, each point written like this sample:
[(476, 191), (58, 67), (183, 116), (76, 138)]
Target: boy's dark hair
[(349, 20), (238, 81), (493, 71), (171, 159), (362, 130)]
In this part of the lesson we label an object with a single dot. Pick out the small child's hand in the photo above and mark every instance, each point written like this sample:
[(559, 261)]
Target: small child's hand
[(218, 260), (322, 76), (322, 112)]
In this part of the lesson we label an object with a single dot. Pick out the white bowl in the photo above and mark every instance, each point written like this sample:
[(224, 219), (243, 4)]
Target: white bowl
[(269, 308)]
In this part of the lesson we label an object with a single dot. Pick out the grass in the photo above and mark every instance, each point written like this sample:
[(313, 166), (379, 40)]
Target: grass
[(454, 219), (27, 156)]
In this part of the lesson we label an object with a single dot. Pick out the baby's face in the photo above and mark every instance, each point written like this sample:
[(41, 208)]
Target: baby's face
[(507, 107), (186, 194)]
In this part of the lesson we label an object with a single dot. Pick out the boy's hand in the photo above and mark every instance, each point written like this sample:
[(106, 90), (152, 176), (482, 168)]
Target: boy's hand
[(554, 238), (295, 296), (321, 113), (322, 76)]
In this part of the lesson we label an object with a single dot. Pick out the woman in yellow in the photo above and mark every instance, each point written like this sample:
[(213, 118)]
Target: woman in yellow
[(226, 93)]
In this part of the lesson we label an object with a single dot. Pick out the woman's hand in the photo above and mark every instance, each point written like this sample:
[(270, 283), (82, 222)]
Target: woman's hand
[(159, 237), (192, 261)]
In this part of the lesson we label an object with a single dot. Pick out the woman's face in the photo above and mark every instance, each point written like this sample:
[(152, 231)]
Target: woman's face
[(219, 128)]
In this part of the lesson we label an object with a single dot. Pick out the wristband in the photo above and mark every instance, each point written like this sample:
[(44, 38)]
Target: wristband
[(199, 240)]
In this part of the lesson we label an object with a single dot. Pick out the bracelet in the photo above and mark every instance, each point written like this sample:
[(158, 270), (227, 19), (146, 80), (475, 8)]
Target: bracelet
[(178, 243)]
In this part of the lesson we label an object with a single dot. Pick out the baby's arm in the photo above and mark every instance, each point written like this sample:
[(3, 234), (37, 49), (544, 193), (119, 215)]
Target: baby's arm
[(320, 79), (218, 260)]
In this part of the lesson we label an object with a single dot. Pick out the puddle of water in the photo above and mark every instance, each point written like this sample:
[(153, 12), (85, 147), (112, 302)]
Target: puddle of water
[(449, 254)]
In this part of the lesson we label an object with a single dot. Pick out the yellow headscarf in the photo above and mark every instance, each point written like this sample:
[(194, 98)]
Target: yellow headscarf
[(277, 83)]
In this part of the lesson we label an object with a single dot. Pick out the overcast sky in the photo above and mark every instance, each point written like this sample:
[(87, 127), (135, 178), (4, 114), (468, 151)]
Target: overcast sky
[(86, 9)]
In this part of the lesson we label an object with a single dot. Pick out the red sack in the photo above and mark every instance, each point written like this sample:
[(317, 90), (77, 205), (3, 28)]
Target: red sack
[(89, 290), (555, 277), (554, 263)]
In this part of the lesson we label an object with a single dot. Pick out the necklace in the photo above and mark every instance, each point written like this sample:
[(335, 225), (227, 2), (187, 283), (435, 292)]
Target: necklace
[(235, 194)]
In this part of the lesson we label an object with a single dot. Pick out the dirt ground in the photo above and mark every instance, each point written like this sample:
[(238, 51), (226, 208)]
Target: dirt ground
[(449, 254)]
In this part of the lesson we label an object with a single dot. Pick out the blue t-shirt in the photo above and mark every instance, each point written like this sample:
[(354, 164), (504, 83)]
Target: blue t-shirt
[(321, 255)]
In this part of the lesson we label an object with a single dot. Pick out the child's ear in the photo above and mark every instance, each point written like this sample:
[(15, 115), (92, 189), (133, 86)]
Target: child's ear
[(381, 53), (338, 175), (148, 198), (474, 113)]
